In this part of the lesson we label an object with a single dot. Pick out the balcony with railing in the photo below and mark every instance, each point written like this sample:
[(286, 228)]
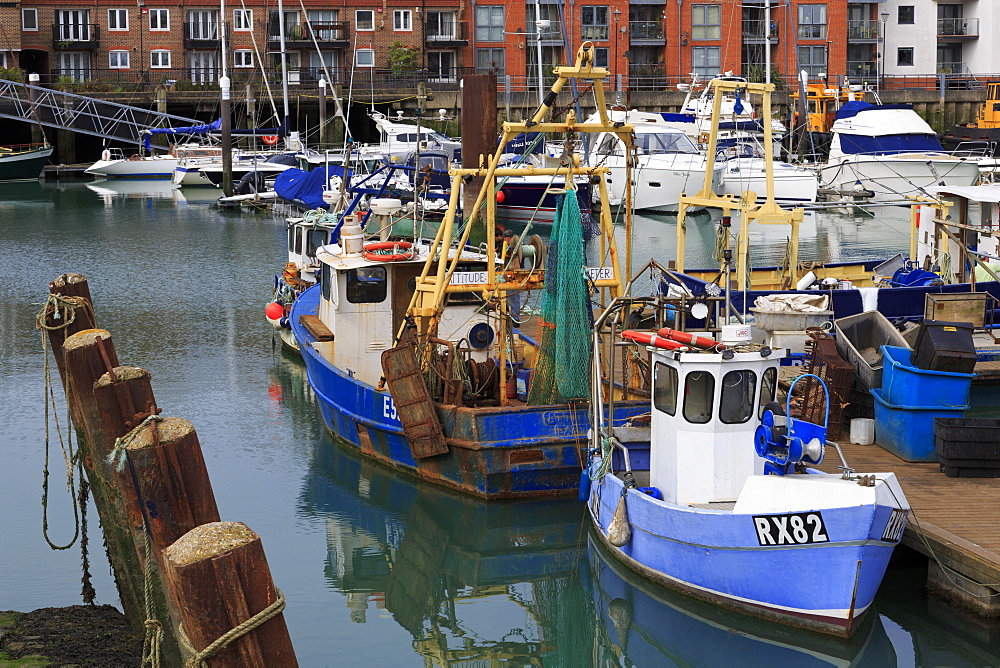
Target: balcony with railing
[(301, 35), (202, 35), (646, 32), (454, 33), (647, 76), (951, 67), (958, 28), (76, 36), (862, 69), (754, 31), (863, 31)]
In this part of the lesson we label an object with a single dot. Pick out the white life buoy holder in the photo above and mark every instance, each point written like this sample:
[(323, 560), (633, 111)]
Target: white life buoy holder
[(372, 253)]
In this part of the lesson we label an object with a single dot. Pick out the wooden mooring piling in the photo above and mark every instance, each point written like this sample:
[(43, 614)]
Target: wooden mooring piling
[(200, 589)]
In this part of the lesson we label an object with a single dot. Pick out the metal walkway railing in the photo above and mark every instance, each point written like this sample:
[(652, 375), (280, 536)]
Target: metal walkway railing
[(78, 113)]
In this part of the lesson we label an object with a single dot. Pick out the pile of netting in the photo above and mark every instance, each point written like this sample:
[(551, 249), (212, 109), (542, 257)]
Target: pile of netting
[(562, 368)]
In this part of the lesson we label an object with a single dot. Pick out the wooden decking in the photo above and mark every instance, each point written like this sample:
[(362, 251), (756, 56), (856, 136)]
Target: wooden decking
[(956, 518)]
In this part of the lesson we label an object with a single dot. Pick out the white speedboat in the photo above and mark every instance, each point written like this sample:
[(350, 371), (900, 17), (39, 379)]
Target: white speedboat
[(744, 169), (114, 164), (667, 163), (892, 152)]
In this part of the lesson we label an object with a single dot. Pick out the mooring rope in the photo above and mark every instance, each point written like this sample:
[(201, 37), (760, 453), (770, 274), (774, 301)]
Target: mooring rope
[(118, 456), (151, 644), (51, 306), (200, 659)]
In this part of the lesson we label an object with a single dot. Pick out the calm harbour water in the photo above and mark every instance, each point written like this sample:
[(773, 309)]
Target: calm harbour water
[(376, 568)]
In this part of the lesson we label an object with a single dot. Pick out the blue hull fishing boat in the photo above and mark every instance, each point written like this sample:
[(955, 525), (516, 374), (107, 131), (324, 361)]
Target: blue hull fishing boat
[(412, 351), (731, 508)]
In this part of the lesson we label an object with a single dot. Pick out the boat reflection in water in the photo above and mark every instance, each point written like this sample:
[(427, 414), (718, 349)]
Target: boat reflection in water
[(469, 581), (642, 624)]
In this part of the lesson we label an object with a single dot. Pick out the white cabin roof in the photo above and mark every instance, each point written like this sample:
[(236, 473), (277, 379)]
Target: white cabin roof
[(875, 122), (973, 193)]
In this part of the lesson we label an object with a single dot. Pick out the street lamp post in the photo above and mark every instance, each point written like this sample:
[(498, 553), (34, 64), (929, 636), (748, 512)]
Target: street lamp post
[(885, 18)]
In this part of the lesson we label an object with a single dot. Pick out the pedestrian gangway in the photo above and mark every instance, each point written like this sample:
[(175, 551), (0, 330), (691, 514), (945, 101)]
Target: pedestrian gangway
[(78, 113)]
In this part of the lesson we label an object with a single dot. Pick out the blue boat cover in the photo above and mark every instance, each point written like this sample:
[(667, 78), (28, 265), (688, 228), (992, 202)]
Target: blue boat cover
[(889, 144), (214, 126), (677, 118), (307, 187), (854, 107)]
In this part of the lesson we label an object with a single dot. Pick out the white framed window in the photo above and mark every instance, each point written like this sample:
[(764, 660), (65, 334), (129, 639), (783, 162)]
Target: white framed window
[(29, 20), (117, 19), (242, 20), (159, 19), (243, 58), (364, 19), (365, 58), (118, 60), (3, 59), (706, 60), (401, 20), (812, 21), (159, 58)]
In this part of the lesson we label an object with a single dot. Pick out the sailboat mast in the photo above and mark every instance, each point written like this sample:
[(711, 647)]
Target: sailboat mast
[(284, 63), (222, 33)]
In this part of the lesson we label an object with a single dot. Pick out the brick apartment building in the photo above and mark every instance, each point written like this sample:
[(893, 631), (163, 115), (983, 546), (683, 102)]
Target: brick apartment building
[(649, 44)]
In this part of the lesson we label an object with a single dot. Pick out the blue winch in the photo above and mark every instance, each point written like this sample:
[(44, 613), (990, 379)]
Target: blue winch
[(785, 441)]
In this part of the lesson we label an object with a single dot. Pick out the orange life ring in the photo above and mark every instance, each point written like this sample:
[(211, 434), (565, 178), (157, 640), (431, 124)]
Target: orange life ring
[(372, 254), (691, 339), (270, 140)]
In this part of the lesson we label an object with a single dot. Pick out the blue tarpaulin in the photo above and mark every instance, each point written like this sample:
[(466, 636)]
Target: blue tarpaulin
[(522, 142), (214, 126), (307, 187)]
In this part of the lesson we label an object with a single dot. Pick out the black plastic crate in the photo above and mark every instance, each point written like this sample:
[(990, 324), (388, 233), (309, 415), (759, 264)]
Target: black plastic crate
[(968, 447), (945, 346)]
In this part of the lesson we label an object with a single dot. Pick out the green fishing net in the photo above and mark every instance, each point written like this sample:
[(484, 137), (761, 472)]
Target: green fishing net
[(562, 368)]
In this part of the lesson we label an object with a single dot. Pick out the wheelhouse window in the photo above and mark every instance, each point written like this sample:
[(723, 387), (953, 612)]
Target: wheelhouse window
[(768, 389), (29, 20), (706, 22), (665, 388), (325, 281), (159, 19), (699, 397), (117, 19), (366, 285), (812, 21), (738, 390), (316, 239)]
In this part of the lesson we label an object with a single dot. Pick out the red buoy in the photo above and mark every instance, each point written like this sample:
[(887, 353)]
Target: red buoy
[(274, 311), (501, 196), (684, 337), (651, 339)]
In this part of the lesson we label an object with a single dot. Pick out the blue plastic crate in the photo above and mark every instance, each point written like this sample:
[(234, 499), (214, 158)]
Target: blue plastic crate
[(905, 385), (908, 431)]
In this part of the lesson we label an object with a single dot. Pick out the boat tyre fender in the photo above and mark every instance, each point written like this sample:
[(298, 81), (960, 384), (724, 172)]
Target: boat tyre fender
[(376, 252)]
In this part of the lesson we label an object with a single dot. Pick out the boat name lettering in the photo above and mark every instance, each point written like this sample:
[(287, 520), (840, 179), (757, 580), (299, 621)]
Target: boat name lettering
[(562, 422), (600, 273), (894, 529), (389, 408), (468, 278), (790, 529)]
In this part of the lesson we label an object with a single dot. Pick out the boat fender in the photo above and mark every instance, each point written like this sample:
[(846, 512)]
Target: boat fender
[(501, 196), (684, 337), (651, 339), (274, 311), (373, 254), (584, 494), (619, 532), (284, 323), (105, 155)]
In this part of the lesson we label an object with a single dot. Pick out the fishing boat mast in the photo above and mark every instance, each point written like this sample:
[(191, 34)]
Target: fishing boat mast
[(768, 213), (433, 285)]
